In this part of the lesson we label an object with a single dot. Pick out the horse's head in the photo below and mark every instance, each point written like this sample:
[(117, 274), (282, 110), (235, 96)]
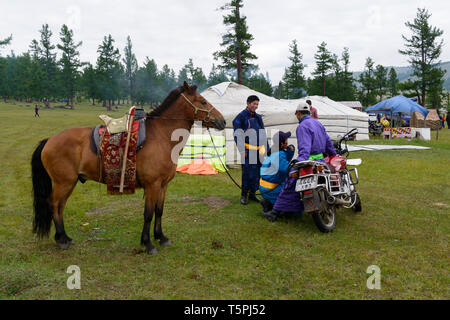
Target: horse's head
[(201, 109)]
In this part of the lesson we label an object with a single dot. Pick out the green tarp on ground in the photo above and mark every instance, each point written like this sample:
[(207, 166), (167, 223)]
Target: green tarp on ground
[(199, 146)]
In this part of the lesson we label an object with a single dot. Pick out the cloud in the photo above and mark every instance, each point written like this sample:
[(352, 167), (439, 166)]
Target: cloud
[(171, 32)]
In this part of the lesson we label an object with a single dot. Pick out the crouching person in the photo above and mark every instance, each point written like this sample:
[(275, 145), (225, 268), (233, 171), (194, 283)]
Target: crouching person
[(274, 170)]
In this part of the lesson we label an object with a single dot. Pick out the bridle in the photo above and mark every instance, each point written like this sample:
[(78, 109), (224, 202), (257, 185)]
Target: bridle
[(196, 109)]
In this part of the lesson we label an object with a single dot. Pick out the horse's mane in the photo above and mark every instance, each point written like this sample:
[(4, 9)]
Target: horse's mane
[(173, 95)]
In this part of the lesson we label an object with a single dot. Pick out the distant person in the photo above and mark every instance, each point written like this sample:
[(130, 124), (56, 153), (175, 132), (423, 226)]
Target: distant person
[(314, 113), (448, 121), (36, 111)]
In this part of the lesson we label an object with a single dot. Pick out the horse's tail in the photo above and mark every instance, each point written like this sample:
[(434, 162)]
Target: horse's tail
[(42, 188)]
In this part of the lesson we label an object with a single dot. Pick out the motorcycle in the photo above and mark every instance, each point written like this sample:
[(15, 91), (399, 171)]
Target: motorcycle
[(326, 186), (375, 128)]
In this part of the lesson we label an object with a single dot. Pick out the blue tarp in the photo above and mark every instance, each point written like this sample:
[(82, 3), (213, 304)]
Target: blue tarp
[(396, 105)]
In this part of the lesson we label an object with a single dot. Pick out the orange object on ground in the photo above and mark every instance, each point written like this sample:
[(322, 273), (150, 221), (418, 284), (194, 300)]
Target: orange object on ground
[(198, 167)]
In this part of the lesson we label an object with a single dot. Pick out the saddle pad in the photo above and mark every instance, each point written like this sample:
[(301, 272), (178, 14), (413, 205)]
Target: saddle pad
[(99, 129), (112, 150)]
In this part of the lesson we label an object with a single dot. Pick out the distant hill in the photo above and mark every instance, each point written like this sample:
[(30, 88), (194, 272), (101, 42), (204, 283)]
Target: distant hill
[(404, 73)]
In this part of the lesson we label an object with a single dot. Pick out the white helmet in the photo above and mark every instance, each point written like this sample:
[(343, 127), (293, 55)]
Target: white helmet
[(303, 106)]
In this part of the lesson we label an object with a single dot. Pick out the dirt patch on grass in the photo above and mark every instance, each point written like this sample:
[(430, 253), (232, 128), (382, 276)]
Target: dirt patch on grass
[(186, 200), (216, 202)]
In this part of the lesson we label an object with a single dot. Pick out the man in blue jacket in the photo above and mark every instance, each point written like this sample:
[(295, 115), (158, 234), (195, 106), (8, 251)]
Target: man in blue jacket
[(274, 170), (251, 141), (313, 144)]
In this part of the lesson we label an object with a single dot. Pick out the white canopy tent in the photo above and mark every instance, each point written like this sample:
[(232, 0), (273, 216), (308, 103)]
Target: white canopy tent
[(230, 99)]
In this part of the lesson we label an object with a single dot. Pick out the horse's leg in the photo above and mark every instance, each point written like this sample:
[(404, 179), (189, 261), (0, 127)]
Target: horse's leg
[(151, 195), (60, 194), (158, 233)]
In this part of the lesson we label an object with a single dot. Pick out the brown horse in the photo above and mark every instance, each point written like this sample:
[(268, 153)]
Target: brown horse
[(59, 162)]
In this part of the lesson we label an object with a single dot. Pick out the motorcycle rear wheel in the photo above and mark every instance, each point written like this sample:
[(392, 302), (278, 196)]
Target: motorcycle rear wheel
[(325, 220)]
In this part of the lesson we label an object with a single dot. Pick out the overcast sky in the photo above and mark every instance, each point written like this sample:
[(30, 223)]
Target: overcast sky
[(172, 31)]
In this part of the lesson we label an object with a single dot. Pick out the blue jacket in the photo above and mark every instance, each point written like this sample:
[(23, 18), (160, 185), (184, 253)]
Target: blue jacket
[(246, 120), (274, 170)]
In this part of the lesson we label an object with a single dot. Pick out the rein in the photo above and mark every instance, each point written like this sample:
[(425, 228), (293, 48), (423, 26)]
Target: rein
[(228, 172)]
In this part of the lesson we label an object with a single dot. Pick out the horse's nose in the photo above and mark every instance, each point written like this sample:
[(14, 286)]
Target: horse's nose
[(220, 124)]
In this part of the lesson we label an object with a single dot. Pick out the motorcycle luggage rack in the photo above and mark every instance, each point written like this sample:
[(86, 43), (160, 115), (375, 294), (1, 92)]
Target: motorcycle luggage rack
[(334, 184)]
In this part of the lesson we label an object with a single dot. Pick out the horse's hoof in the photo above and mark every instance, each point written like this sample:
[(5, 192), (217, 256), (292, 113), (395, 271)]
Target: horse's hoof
[(165, 243), (152, 251), (64, 246)]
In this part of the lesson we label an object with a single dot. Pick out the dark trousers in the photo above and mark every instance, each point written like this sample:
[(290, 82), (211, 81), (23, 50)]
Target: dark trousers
[(250, 177)]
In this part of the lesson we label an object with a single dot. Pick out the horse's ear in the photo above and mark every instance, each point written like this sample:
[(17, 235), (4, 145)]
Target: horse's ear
[(186, 86), (194, 89)]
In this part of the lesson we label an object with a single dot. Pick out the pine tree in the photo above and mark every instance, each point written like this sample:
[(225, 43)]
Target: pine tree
[(348, 88), (24, 77), (108, 71), (380, 77), (8, 76), (36, 71), (436, 90), (423, 50), (293, 79), (168, 79), (324, 61), (89, 82), (367, 80), (216, 76), (236, 54), (261, 83), (131, 66), (4, 85), (69, 62), (393, 82), (193, 75), (5, 41), (335, 87), (49, 65)]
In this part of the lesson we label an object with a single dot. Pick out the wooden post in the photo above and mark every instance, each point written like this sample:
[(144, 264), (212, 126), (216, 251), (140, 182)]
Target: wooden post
[(390, 127), (125, 154)]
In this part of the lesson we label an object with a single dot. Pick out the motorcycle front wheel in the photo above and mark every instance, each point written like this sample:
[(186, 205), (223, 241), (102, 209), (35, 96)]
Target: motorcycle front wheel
[(357, 207), (325, 220)]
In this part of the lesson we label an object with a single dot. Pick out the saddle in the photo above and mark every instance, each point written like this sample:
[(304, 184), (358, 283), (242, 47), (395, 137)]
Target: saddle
[(108, 142), (114, 126)]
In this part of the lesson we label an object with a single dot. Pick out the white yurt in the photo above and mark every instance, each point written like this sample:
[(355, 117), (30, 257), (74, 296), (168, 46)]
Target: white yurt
[(230, 99)]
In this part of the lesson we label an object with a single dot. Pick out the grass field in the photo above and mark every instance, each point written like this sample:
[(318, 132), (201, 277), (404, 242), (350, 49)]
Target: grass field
[(222, 250)]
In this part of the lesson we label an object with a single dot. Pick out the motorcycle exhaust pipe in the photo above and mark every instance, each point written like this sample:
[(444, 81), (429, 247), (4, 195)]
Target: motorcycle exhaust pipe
[(333, 200)]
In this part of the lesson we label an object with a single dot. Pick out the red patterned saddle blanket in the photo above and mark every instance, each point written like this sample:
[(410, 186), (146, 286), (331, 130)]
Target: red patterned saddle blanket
[(112, 148)]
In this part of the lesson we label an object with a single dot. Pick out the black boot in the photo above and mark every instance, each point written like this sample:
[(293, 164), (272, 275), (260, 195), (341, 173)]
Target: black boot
[(252, 196), (244, 194), (271, 215), (267, 205)]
